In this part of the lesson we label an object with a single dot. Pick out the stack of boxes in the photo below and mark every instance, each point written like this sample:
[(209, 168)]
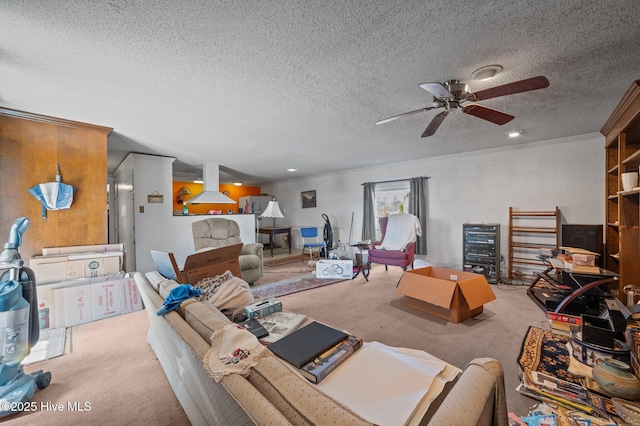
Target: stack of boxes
[(80, 284)]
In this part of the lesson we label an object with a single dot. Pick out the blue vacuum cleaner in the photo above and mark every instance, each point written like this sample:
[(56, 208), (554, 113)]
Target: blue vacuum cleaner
[(19, 326)]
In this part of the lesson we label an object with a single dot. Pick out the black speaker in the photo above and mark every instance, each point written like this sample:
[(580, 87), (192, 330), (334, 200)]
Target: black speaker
[(588, 237)]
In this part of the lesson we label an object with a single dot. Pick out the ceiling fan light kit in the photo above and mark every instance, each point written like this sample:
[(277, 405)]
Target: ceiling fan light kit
[(485, 73), (452, 94)]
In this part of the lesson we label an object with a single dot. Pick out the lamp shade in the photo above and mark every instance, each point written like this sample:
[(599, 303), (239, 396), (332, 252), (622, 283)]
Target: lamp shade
[(272, 210)]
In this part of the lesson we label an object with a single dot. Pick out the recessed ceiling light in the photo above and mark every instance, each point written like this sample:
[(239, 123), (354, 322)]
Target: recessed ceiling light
[(514, 133), (198, 181), (292, 170), (485, 73), (237, 183)]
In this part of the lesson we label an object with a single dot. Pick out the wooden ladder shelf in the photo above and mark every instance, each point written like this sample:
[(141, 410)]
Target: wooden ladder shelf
[(527, 238)]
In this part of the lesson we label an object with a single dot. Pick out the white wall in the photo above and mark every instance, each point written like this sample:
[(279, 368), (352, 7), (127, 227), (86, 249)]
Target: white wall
[(475, 186), (155, 226)]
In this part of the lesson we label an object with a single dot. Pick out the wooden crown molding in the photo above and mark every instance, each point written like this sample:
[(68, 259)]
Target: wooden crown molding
[(24, 115), (624, 112)]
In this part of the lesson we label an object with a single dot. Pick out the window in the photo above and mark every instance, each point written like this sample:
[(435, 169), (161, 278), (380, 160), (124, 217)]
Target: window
[(390, 198)]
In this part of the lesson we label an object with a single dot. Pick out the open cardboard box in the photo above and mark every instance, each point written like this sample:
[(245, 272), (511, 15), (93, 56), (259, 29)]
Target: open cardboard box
[(445, 293), (204, 264)]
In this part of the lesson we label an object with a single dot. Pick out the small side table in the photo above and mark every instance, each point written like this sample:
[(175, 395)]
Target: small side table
[(272, 230), (363, 265)]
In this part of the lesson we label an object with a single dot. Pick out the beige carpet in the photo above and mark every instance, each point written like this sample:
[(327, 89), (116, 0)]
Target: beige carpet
[(374, 311), (111, 367)]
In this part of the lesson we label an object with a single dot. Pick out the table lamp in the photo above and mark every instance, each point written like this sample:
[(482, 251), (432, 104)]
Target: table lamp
[(272, 211)]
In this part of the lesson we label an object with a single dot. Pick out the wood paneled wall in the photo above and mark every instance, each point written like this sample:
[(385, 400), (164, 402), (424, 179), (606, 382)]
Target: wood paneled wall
[(30, 147)]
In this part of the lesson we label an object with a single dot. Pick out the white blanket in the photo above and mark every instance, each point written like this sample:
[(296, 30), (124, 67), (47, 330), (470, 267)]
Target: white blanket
[(402, 229), (387, 385)]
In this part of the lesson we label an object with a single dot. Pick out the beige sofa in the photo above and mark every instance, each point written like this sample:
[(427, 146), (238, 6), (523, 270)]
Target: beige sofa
[(218, 232), (273, 394)]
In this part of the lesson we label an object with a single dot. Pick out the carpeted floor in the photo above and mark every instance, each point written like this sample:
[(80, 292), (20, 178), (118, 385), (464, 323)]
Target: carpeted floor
[(291, 285), (374, 311), (113, 367), (286, 274), (112, 373)]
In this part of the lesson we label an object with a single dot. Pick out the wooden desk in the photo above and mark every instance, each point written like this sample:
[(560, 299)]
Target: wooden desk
[(271, 231)]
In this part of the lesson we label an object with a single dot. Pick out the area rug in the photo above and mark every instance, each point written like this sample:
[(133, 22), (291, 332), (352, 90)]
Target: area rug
[(284, 260), (546, 352), (292, 285), (51, 344)]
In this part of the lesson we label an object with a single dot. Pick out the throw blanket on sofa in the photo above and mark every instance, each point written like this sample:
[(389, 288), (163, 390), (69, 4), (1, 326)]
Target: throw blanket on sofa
[(225, 292), (402, 229), (233, 350), (407, 382)]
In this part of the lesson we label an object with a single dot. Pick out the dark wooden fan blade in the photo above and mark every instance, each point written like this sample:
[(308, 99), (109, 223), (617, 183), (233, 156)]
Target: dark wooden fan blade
[(435, 123), (489, 114), (437, 90), (386, 120), (532, 83)]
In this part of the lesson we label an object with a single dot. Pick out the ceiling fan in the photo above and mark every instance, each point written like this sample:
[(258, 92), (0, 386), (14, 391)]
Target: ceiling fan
[(452, 94)]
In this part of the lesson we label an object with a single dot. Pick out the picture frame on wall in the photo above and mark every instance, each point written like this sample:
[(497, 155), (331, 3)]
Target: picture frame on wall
[(308, 199)]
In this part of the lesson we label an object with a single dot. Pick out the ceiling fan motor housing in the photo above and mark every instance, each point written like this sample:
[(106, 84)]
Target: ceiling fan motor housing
[(457, 89)]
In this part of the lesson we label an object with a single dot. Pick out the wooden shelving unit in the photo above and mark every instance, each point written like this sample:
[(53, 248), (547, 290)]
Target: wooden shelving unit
[(529, 233), (622, 208)]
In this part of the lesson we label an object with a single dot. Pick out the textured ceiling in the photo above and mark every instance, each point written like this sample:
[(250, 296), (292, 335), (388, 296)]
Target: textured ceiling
[(261, 86)]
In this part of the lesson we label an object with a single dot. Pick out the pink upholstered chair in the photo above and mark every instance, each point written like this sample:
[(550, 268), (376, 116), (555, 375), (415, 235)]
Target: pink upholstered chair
[(402, 257)]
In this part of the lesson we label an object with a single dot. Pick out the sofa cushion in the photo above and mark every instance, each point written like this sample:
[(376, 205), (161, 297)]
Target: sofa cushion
[(297, 399), (204, 319), (155, 279)]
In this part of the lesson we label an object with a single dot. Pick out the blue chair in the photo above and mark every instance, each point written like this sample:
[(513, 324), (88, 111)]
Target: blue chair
[(310, 241)]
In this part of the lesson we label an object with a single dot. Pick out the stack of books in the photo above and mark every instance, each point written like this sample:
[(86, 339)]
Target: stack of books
[(571, 396), (561, 322), (579, 260), (315, 350)]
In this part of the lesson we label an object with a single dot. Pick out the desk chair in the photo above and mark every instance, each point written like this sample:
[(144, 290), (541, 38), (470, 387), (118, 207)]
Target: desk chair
[(311, 240)]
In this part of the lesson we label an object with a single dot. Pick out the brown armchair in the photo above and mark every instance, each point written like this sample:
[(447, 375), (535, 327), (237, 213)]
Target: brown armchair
[(399, 248)]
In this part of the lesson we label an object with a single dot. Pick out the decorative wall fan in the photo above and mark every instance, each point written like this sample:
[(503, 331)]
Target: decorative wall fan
[(452, 94)]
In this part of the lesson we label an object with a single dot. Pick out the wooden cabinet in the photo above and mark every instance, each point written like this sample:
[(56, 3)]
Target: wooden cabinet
[(622, 208)]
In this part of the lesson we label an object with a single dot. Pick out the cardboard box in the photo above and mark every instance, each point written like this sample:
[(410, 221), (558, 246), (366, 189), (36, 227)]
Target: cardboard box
[(445, 293), (262, 309), (74, 302), (53, 269), (204, 264), (97, 248), (334, 269)]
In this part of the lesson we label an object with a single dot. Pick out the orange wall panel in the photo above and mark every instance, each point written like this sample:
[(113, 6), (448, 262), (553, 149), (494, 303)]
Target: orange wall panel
[(235, 192)]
